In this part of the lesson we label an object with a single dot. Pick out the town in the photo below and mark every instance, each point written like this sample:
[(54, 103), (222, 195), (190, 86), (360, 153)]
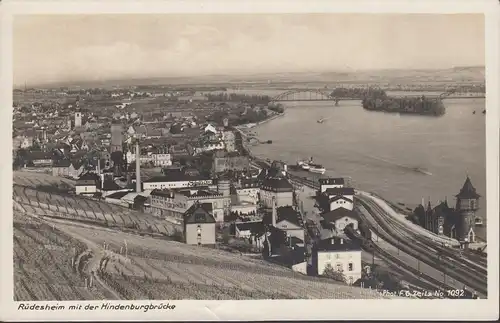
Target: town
[(129, 171)]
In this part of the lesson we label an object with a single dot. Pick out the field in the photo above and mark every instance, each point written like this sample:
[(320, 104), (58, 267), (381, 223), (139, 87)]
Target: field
[(58, 258), (45, 266), (141, 267), (40, 202)]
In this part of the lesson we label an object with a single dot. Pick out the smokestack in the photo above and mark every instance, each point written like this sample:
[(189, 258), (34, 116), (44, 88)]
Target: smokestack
[(137, 167), (98, 166), (274, 215), (423, 202)]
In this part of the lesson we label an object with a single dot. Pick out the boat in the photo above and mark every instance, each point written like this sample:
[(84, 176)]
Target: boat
[(316, 168), (303, 164), (321, 120), (484, 111), (474, 112)]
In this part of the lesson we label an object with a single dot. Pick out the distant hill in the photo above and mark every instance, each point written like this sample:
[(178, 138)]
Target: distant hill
[(400, 76)]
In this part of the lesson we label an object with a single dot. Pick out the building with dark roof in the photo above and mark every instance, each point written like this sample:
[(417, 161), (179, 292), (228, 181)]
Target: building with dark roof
[(340, 254), (335, 197), (326, 183), (88, 183), (277, 188), (457, 223), (338, 219), (287, 219), (199, 225)]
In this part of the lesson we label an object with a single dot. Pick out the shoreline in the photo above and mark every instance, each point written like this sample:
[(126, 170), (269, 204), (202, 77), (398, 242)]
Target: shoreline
[(314, 181)]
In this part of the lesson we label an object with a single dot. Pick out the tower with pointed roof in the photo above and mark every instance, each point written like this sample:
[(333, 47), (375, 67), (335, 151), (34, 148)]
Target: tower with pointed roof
[(466, 207)]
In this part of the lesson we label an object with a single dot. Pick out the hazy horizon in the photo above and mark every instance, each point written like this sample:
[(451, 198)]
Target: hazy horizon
[(109, 47)]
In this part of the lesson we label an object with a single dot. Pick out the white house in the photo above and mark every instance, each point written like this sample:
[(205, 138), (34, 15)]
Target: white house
[(338, 197), (342, 255), (278, 189), (87, 184), (340, 218), (326, 183), (341, 201)]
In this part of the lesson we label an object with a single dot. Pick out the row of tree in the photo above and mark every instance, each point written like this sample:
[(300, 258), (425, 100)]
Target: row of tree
[(417, 105)]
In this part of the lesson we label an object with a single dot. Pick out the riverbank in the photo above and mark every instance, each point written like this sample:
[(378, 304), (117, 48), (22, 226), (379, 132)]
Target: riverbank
[(351, 157)]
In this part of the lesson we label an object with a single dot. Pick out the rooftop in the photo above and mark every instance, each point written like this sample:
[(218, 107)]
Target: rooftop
[(468, 191), (339, 213)]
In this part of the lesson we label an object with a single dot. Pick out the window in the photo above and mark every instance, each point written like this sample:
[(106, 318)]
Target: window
[(351, 266), (339, 266)]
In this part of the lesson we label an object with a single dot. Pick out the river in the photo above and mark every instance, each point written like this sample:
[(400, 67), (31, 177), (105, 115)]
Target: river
[(379, 151)]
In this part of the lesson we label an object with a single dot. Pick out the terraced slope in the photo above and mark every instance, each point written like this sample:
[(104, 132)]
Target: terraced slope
[(45, 266), (55, 258), (36, 201)]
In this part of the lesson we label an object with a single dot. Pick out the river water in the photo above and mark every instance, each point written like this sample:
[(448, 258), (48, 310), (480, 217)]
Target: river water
[(379, 151)]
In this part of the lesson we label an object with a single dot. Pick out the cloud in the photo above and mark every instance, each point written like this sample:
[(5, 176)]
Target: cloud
[(170, 45)]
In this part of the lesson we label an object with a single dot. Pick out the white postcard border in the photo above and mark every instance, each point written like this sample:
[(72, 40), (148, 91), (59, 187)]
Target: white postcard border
[(258, 309)]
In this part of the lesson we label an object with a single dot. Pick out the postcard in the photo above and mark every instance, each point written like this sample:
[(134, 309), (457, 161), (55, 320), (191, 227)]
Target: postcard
[(250, 160)]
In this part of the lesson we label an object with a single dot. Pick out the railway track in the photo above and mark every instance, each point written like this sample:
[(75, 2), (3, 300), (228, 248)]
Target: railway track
[(413, 247)]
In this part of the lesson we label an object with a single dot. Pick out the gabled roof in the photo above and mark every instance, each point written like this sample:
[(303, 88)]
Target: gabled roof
[(89, 176), (468, 191), (252, 226), (76, 163), (340, 197), (110, 185), (199, 213), (339, 213), (284, 213), (117, 195)]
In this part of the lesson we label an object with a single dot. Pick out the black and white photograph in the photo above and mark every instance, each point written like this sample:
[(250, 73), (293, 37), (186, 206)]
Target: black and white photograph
[(250, 156)]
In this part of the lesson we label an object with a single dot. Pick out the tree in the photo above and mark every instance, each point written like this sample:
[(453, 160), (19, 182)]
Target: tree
[(331, 273), (419, 215)]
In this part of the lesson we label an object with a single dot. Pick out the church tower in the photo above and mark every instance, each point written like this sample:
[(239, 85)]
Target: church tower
[(467, 205), (78, 119)]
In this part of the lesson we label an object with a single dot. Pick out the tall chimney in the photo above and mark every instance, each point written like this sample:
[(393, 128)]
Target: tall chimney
[(274, 215), (98, 165), (137, 167), (423, 202)]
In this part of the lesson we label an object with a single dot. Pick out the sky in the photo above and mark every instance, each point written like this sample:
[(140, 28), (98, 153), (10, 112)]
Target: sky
[(54, 48)]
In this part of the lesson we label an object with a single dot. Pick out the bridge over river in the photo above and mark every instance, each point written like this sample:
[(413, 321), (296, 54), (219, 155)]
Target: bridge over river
[(327, 95)]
